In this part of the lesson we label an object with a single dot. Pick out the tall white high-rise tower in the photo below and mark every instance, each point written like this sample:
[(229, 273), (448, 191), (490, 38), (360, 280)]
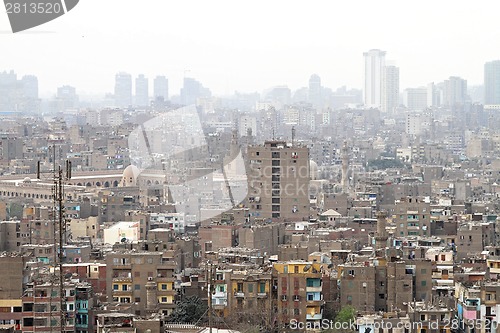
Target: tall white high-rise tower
[(374, 72)]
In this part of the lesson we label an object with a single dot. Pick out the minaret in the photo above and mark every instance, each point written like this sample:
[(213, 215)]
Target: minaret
[(151, 296), (345, 166), (381, 236), (235, 145)]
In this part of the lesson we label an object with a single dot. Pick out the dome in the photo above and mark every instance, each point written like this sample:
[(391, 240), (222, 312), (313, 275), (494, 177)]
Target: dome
[(130, 174), (313, 169), (27, 180)]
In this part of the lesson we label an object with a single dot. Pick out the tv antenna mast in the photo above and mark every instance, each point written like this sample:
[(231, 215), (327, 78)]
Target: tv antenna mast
[(59, 177)]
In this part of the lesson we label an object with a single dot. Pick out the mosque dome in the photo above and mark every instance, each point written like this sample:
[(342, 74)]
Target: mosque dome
[(129, 177)]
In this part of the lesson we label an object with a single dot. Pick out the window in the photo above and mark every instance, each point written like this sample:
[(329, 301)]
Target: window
[(262, 287), (115, 287), (296, 311), (250, 287), (137, 287), (423, 271), (424, 283), (295, 269)]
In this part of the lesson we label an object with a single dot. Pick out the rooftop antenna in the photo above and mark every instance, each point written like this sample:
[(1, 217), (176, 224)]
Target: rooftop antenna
[(59, 215)]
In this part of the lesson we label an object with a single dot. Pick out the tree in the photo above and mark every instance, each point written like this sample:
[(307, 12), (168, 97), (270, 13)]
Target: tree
[(381, 164), (343, 320), (190, 310)]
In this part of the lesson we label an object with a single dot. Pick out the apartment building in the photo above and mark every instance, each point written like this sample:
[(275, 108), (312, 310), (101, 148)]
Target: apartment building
[(278, 181), (298, 291), (127, 274)]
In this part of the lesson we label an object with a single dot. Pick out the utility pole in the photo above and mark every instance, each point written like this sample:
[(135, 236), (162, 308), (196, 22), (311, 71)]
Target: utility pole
[(62, 296), (210, 286)]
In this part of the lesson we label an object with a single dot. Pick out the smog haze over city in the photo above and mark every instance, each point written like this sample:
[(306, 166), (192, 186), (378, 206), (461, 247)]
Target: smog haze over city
[(249, 166), (249, 46)]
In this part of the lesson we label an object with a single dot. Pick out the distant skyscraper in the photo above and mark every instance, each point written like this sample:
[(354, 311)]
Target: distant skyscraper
[(415, 98), (30, 86), (123, 90), (432, 95), (492, 82), (161, 87), (455, 91), (279, 94), (374, 67), (18, 95), (390, 89), (141, 91), (315, 90), (192, 90)]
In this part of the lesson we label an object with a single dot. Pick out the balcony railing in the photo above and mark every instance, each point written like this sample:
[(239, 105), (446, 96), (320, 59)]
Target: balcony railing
[(318, 316)]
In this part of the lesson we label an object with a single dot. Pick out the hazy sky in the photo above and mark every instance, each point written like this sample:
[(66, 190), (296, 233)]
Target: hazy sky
[(251, 45)]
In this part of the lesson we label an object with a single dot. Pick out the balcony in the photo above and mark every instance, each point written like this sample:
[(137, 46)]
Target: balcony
[(122, 292), (471, 308), (219, 306), (122, 279), (164, 279), (313, 289), (220, 294), (318, 316), (315, 303), (239, 294), (262, 295)]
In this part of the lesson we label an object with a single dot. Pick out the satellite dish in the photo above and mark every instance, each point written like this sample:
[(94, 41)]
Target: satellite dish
[(123, 240), (307, 267)]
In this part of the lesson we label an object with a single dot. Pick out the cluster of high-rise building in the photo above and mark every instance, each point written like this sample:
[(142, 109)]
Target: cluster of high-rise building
[(273, 212)]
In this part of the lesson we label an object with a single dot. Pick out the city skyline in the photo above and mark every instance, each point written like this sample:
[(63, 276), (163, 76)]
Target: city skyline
[(249, 57)]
